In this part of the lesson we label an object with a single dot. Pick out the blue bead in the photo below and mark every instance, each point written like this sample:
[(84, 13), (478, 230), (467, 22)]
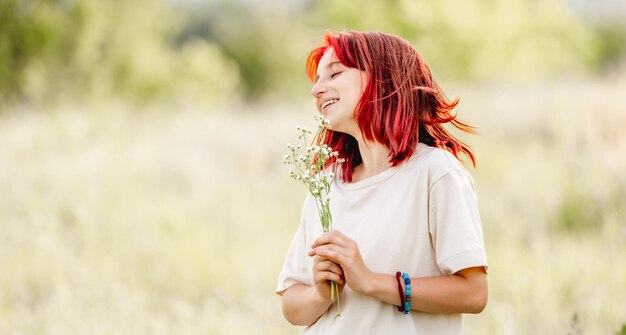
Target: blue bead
[(407, 281), (408, 286), (408, 292)]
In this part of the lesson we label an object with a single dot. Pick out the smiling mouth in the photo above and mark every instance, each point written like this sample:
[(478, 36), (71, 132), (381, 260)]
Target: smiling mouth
[(328, 103)]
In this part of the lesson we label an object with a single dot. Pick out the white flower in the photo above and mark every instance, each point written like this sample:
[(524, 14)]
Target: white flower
[(312, 172)]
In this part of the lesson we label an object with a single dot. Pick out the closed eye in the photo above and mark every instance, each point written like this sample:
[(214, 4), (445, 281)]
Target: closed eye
[(335, 74)]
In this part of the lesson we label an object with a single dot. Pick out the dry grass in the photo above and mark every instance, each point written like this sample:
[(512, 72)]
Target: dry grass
[(118, 222)]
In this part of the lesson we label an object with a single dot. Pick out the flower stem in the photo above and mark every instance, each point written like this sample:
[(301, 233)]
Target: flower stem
[(327, 224), (334, 295)]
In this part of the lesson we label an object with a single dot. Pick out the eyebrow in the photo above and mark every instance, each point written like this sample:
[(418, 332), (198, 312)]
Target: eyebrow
[(317, 76)]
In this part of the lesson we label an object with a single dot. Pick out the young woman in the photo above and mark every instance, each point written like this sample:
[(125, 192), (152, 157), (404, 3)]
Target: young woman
[(406, 247)]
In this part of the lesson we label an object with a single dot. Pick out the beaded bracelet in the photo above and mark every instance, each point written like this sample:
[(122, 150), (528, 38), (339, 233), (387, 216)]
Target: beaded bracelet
[(407, 293), (401, 307)]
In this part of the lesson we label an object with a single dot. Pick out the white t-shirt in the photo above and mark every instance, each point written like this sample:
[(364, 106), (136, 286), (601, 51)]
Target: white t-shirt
[(420, 217)]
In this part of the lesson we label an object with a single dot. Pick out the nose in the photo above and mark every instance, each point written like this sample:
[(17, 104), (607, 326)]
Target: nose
[(318, 88)]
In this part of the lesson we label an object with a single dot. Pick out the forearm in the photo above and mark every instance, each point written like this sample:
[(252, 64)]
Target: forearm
[(303, 306), (445, 294)]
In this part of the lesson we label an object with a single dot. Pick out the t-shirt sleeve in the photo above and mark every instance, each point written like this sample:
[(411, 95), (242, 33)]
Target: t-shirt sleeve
[(296, 267), (454, 223)]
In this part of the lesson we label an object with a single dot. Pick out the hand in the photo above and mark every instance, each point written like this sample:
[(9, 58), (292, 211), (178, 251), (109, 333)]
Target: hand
[(338, 248), (325, 271)]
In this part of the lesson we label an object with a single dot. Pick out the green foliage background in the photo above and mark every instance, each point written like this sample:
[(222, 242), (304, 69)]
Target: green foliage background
[(141, 176), (148, 51), (86, 50)]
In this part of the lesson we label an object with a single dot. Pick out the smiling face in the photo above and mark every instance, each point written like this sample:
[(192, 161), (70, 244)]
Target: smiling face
[(337, 90)]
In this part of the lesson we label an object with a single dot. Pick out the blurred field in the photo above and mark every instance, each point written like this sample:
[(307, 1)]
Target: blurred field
[(119, 221), (142, 189)]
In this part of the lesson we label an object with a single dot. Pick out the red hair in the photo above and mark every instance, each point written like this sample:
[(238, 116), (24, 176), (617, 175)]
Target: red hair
[(402, 104)]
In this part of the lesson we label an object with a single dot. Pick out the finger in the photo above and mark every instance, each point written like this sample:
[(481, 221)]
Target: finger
[(320, 241), (333, 255), (319, 259), (340, 234), (335, 268), (320, 263), (327, 275), (330, 266), (331, 237), (334, 247), (324, 264), (322, 275)]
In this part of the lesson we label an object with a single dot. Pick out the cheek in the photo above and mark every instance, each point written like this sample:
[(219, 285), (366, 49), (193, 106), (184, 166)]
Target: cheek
[(351, 99), (356, 95)]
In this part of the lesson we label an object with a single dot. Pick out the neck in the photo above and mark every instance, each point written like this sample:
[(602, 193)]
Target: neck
[(375, 159)]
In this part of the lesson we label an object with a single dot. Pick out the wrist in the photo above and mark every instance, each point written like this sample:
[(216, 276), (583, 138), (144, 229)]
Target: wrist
[(370, 284), (319, 298)]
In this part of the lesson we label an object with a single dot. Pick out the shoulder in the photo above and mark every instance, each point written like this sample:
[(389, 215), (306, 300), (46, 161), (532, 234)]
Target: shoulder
[(436, 163)]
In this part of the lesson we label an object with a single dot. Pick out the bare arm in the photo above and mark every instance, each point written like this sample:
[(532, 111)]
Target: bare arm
[(302, 306), (462, 292)]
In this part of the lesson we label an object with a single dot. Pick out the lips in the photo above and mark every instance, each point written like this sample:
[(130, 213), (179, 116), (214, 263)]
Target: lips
[(327, 102)]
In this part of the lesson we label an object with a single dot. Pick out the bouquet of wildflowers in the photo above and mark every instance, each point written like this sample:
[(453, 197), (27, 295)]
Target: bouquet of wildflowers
[(308, 167)]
